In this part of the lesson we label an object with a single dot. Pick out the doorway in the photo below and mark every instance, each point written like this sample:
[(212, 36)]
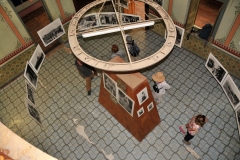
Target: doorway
[(34, 17), (207, 13)]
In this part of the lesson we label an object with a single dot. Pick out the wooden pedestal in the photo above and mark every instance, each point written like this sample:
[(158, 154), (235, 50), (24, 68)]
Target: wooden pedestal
[(131, 84)]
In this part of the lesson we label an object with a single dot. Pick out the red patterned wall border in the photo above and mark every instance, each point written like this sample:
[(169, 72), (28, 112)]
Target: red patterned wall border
[(232, 51), (178, 24), (14, 53)]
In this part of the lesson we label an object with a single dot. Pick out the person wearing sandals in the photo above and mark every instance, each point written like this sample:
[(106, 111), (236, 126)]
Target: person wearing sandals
[(193, 127)]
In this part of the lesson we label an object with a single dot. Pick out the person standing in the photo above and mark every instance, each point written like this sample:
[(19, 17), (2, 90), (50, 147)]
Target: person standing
[(193, 127), (87, 72), (132, 48), (117, 52), (159, 87)]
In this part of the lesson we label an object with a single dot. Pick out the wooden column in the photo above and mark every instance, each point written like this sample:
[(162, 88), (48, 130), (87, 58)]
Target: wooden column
[(131, 84)]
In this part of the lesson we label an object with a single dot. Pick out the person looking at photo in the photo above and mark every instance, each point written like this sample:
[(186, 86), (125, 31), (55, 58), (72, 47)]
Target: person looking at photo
[(117, 52), (193, 127), (87, 72), (132, 48)]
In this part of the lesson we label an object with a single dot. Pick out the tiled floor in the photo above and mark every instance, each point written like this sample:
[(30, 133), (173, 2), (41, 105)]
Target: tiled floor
[(64, 100)]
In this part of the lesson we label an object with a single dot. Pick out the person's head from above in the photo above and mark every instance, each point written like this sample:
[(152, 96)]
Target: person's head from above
[(200, 120), (79, 61), (129, 39), (114, 48), (158, 77)]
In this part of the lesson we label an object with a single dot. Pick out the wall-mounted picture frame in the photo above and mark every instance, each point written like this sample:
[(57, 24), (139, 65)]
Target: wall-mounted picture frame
[(140, 112), (89, 21), (31, 75), (124, 3), (216, 69), (110, 85), (30, 93), (238, 118), (130, 18), (33, 112), (180, 34), (232, 92), (37, 58), (150, 106), (160, 2), (107, 19), (142, 96), (125, 101), (51, 32)]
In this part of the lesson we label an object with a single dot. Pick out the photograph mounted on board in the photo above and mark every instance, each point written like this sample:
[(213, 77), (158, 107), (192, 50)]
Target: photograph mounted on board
[(126, 102), (30, 93), (216, 69), (33, 111), (51, 32), (37, 58), (89, 21), (150, 106), (180, 34), (107, 19), (31, 75), (130, 18), (232, 92), (142, 96), (110, 85), (140, 112)]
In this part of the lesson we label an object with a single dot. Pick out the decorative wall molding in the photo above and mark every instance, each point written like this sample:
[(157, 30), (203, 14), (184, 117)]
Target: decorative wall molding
[(230, 50)]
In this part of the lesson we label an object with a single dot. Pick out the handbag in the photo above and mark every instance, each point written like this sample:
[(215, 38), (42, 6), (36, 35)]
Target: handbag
[(183, 129)]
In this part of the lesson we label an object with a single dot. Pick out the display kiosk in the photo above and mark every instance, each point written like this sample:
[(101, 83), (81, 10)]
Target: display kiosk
[(128, 97)]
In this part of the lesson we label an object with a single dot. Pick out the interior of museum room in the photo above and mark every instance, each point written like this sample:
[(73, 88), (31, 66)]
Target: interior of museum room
[(51, 115)]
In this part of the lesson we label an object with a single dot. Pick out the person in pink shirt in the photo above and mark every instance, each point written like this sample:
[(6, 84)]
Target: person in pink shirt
[(193, 127)]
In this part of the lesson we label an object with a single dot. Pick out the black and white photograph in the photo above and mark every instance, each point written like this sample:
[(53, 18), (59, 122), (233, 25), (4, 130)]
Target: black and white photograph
[(140, 112), (107, 19), (150, 106), (160, 2), (33, 111), (126, 102), (238, 118), (216, 69), (129, 18), (30, 93), (87, 22), (31, 75), (232, 92), (37, 58), (124, 3), (51, 32), (110, 85), (142, 96), (180, 34)]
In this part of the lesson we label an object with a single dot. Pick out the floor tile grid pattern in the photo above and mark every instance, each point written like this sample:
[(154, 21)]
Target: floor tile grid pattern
[(193, 91)]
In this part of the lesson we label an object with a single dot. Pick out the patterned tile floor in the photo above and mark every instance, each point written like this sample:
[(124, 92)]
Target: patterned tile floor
[(64, 104)]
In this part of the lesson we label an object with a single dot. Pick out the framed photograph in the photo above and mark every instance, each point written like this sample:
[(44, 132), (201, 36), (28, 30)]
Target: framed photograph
[(107, 19), (126, 102), (160, 2), (110, 85), (51, 32), (216, 69), (30, 93), (180, 35), (124, 3), (33, 111), (31, 75), (232, 92), (129, 18), (142, 96), (37, 58), (238, 119), (150, 106), (140, 112), (87, 22)]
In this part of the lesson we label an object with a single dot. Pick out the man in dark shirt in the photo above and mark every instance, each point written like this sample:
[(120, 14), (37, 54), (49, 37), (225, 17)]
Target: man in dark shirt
[(86, 72)]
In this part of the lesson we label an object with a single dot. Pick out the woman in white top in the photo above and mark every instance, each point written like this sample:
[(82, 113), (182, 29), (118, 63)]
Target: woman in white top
[(159, 87)]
